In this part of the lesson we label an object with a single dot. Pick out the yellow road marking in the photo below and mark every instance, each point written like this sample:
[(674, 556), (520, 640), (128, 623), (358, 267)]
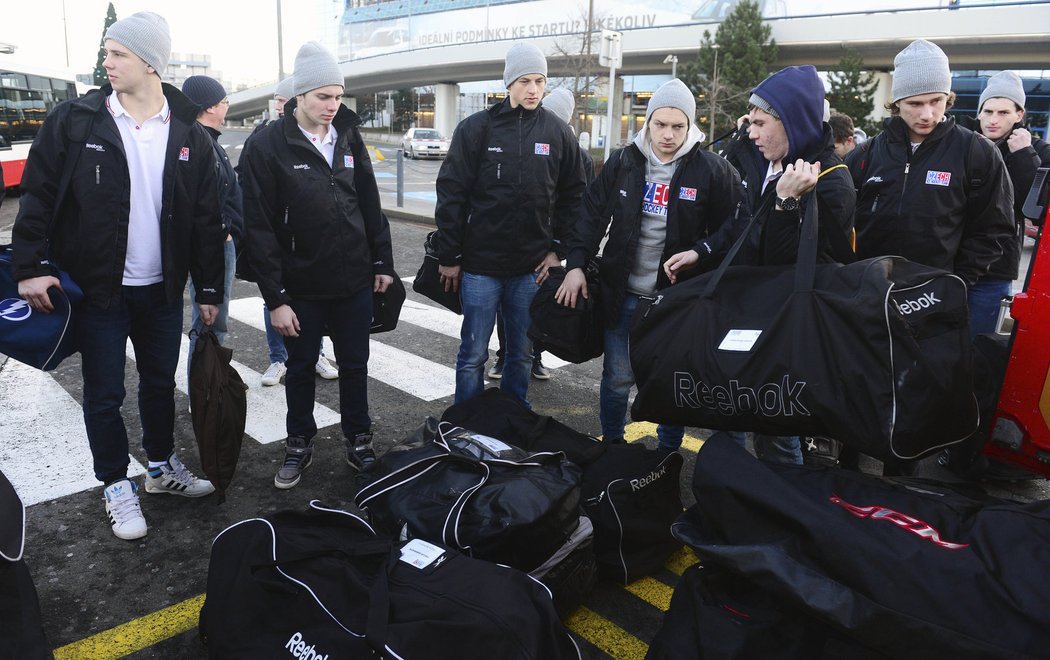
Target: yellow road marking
[(135, 635), (606, 635), (652, 591), (635, 431), (681, 560)]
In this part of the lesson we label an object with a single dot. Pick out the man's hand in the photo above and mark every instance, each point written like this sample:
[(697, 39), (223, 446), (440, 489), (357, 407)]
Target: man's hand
[(450, 277), (382, 282), (549, 261), (1019, 139), (574, 284), (284, 321), (34, 290), (798, 179), (209, 313), (679, 262)]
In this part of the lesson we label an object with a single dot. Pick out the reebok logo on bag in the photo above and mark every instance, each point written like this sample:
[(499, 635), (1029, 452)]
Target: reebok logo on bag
[(638, 484), (770, 399), (922, 302), (298, 648)]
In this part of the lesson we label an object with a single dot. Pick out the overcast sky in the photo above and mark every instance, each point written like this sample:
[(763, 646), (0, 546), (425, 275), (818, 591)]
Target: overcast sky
[(240, 35)]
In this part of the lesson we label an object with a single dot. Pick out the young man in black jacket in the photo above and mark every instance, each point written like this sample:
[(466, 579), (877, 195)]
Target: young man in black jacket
[(789, 146), (508, 191), (319, 246), (119, 190), (667, 200), (208, 93), (928, 189), (1000, 112)]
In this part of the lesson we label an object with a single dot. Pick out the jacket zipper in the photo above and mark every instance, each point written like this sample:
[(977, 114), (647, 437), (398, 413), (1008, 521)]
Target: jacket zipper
[(98, 174), (875, 204), (904, 186)]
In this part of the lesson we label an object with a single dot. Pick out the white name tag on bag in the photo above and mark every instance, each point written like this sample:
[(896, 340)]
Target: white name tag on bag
[(739, 340)]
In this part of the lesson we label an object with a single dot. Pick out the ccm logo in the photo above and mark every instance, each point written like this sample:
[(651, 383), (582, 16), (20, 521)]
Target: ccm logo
[(913, 525)]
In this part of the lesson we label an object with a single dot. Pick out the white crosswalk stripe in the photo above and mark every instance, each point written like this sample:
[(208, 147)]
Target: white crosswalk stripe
[(45, 452), (406, 371)]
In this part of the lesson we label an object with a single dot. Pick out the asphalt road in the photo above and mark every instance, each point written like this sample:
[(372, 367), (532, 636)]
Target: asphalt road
[(103, 597)]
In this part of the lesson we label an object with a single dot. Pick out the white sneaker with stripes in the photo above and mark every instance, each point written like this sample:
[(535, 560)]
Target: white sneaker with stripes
[(124, 511), (174, 478)]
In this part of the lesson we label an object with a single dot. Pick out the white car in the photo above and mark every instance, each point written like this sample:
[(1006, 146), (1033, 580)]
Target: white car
[(424, 143)]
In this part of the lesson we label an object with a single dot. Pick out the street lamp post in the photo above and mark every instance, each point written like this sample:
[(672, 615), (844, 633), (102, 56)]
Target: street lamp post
[(673, 61), (713, 92)]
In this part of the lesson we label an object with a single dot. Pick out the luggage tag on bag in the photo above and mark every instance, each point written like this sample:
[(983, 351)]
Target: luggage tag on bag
[(424, 556), (739, 340)]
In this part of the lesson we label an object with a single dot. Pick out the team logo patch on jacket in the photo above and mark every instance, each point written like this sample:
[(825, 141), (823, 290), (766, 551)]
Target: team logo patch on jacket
[(688, 194), (348, 161), (655, 200), (543, 149), (934, 178), (184, 153)]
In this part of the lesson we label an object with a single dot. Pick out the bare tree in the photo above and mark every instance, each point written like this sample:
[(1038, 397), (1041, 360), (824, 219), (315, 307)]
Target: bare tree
[(576, 55)]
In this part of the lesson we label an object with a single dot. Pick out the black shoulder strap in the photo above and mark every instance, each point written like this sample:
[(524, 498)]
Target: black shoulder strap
[(975, 171)]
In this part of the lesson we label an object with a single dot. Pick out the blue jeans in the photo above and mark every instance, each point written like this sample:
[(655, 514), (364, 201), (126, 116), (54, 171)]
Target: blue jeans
[(221, 324), (155, 328), (984, 298), (775, 449), (274, 340), (617, 379), (347, 321), (481, 296)]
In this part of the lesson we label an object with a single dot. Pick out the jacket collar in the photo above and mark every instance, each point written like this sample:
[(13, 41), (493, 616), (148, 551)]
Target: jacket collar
[(182, 108), (345, 118), (504, 108), (897, 130)]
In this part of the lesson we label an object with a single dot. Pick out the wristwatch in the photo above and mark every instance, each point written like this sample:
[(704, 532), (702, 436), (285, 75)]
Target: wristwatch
[(787, 203)]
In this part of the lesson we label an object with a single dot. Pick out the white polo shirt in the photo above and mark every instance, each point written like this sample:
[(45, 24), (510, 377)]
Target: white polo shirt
[(325, 145), (146, 146)]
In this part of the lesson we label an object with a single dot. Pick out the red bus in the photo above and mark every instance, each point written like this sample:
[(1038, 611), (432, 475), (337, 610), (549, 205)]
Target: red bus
[(27, 95)]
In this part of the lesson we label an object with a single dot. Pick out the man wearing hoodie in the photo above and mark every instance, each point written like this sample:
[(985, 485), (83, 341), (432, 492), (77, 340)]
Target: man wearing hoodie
[(790, 147), (319, 246), (141, 212), (667, 199), (508, 190), (1000, 112)]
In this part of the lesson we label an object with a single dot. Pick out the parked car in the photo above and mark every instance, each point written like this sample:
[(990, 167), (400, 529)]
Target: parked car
[(424, 143)]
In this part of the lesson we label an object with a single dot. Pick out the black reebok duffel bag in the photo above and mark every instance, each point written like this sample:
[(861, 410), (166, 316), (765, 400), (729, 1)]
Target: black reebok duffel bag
[(322, 584), (475, 493), (575, 334), (911, 568), (875, 353)]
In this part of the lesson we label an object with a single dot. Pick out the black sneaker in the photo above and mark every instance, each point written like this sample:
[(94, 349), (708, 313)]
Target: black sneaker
[(539, 372), (298, 454), (496, 372), (359, 453)]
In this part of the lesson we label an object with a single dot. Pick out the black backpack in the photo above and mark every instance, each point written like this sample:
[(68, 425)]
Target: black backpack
[(323, 581)]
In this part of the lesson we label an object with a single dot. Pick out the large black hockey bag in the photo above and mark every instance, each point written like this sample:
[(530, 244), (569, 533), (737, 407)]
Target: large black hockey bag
[(475, 493), (910, 568), (322, 584), (874, 353), (633, 495), (575, 334)]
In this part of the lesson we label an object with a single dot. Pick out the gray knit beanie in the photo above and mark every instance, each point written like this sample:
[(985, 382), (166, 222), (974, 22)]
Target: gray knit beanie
[(561, 103), (145, 34), (672, 94), (1006, 85), (285, 88), (921, 68), (523, 59), (315, 67), (763, 105)]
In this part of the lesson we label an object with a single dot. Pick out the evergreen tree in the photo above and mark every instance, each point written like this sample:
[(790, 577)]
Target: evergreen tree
[(727, 67), (100, 71), (853, 91)]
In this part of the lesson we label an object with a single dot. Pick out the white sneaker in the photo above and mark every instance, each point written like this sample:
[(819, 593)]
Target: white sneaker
[(274, 374), (173, 478), (124, 511), (325, 369)]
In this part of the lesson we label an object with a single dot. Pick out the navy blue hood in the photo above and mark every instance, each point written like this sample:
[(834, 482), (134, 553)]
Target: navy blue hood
[(796, 93)]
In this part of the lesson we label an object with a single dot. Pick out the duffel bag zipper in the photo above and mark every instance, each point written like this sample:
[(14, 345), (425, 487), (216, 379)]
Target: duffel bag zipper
[(654, 303)]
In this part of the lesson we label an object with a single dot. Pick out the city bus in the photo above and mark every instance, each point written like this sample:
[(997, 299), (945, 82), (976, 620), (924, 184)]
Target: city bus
[(27, 95)]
